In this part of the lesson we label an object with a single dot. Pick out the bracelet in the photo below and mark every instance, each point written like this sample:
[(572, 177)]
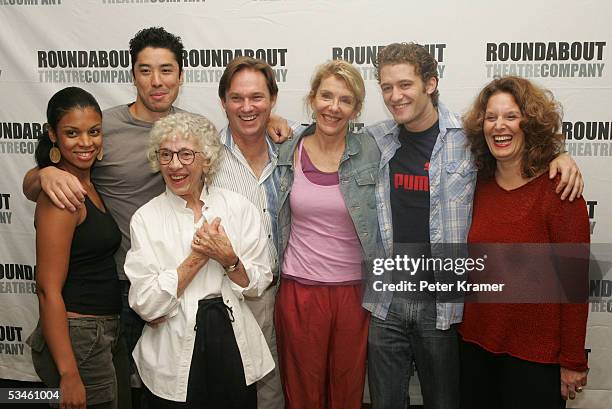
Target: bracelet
[(233, 267)]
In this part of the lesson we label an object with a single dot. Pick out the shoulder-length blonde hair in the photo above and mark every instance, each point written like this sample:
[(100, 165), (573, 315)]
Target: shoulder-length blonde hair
[(344, 71)]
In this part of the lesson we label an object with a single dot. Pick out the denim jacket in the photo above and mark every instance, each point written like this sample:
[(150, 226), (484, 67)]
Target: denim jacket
[(452, 180), (358, 174)]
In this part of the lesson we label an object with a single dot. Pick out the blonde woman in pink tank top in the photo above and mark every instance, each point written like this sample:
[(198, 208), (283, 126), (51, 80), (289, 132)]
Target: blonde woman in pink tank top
[(327, 230)]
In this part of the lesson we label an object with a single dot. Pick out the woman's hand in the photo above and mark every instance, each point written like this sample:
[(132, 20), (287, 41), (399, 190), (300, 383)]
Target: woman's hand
[(211, 240), (72, 392), (572, 382)]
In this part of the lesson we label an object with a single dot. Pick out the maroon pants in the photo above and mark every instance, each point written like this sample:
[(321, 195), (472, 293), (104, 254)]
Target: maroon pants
[(322, 334)]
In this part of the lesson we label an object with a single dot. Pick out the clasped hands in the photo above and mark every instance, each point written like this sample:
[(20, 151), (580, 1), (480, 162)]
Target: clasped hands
[(210, 240)]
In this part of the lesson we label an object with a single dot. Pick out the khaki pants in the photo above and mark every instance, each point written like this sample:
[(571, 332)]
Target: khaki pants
[(97, 351), (269, 389)]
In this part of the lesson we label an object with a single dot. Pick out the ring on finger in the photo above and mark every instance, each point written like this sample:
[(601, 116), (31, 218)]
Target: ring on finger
[(196, 240)]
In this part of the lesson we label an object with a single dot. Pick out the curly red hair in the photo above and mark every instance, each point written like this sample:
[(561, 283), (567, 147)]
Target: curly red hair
[(541, 123)]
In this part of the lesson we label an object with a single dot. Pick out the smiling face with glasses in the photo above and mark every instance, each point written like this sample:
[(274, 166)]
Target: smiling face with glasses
[(182, 165), (185, 156)]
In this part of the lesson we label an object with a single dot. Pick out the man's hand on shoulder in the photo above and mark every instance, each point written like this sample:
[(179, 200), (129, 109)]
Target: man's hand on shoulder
[(279, 129), (63, 188), (571, 183)]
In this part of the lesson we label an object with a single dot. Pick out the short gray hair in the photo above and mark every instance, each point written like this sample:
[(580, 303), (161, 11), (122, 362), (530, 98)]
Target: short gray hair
[(187, 126)]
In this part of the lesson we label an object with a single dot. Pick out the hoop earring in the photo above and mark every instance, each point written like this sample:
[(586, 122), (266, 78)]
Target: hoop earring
[(100, 154), (54, 154)]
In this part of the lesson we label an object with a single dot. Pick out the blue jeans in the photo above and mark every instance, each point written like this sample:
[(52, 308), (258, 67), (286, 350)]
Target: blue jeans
[(409, 333)]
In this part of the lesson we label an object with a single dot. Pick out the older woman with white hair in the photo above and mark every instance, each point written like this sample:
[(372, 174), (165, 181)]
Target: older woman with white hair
[(196, 251)]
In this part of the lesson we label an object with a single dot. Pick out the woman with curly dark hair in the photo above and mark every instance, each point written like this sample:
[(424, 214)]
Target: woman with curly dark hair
[(540, 125), (519, 354)]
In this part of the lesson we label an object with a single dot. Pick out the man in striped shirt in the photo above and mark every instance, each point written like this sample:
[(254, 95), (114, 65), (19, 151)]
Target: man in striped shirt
[(248, 93)]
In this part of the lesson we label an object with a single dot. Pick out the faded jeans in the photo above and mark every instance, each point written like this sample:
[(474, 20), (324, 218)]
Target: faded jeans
[(409, 333)]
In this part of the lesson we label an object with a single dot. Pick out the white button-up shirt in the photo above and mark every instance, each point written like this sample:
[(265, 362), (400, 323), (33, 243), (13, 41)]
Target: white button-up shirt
[(161, 232)]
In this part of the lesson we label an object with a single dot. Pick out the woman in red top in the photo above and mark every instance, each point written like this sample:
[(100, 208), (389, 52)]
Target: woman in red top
[(517, 355)]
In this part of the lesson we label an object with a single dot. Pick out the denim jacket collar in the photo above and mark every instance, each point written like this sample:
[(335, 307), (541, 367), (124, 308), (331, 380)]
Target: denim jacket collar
[(285, 153)]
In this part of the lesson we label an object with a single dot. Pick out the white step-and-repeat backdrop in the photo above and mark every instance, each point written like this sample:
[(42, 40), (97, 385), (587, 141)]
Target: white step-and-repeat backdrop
[(47, 45)]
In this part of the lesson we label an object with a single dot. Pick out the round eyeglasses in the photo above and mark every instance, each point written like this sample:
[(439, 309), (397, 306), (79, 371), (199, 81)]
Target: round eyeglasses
[(185, 156)]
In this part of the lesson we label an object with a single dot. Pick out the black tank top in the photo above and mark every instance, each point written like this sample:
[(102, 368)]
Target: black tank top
[(92, 285)]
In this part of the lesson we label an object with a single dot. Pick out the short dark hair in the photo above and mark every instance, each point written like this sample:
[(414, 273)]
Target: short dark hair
[(425, 65), (62, 102), (157, 37), (241, 63), (540, 123)]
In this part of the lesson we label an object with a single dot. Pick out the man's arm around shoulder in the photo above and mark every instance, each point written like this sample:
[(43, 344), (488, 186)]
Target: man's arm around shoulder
[(63, 188)]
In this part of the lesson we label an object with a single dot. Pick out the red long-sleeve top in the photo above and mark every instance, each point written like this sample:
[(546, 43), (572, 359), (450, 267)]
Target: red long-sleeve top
[(532, 213)]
